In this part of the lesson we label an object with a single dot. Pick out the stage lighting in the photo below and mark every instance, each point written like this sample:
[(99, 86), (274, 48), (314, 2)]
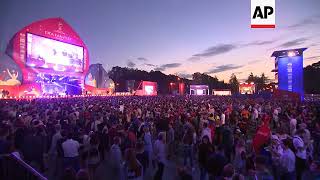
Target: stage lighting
[(291, 53)]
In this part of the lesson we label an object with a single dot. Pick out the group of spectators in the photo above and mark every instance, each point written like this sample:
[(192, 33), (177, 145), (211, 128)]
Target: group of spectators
[(218, 137)]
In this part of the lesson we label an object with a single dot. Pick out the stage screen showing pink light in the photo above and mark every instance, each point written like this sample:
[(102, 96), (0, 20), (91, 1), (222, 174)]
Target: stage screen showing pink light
[(52, 54)]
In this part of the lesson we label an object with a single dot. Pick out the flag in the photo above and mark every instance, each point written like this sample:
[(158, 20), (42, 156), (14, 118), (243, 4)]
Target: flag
[(263, 135)]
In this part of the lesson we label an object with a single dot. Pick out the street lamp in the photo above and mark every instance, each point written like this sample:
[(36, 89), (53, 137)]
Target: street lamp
[(170, 88)]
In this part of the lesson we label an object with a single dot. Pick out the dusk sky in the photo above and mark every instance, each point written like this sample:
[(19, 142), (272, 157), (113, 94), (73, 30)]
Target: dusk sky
[(176, 36)]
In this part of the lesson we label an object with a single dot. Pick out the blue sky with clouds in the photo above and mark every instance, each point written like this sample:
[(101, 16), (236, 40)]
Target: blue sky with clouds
[(176, 36)]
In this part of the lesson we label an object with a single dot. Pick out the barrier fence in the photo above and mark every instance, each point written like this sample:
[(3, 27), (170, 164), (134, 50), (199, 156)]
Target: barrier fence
[(13, 168)]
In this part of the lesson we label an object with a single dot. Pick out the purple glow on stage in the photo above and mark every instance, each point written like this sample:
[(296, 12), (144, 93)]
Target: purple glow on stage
[(199, 90), (48, 53)]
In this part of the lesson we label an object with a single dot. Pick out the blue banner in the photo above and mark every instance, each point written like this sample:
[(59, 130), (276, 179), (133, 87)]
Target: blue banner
[(290, 74)]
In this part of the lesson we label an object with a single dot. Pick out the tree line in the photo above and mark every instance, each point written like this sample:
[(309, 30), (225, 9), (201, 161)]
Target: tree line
[(120, 75)]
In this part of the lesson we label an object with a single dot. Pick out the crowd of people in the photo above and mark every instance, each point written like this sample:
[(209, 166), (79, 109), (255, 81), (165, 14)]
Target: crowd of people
[(205, 137)]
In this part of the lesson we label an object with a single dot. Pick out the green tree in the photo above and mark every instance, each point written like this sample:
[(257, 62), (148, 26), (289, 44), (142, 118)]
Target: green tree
[(310, 80), (234, 83), (212, 82), (259, 81)]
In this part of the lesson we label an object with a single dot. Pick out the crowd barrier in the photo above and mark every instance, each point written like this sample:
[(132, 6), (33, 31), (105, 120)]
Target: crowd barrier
[(13, 168)]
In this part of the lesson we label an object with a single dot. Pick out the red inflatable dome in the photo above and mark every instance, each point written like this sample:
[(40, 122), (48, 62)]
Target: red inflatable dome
[(49, 57)]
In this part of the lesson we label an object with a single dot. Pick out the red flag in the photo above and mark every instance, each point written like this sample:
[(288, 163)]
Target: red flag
[(262, 136)]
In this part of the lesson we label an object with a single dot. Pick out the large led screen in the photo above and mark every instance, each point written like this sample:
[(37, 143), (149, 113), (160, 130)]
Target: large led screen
[(290, 74), (52, 54)]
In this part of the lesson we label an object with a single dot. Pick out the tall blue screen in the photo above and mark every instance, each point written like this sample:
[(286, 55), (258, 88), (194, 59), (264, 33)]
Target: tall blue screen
[(290, 74)]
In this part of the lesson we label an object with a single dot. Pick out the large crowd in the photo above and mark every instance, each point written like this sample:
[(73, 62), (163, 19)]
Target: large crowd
[(205, 137)]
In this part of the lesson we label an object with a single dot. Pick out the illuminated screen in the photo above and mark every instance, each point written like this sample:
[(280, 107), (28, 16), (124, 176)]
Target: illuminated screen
[(149, 90), (200, 92), (247, 89), (290, 74), (52, 54), (222, 93)]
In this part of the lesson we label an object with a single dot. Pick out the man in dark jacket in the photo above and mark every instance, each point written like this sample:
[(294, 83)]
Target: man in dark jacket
[(205, 149), (31, 154)]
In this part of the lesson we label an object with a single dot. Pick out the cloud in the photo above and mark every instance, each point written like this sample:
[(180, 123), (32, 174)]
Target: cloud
[(142, 59), (223, 68), (167, 66), (238, 73), (313, 45), (312, 58), (130, 64), (295, 42), (259, 43), (184, 75), (311, 20), (254, 61), (225, 48), (193, 58), (171, 65), (148, 64), (216, 50), (159, 69)]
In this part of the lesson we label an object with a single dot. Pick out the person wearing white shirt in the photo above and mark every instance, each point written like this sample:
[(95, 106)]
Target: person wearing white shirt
[(293, 126), (121, 108), (301, 153), (95, 123), (287, 162), (306, 136), (116, 158), (71, 153), (70, 148), (223, 118), (275, 116), (255, 114), (206, 132)]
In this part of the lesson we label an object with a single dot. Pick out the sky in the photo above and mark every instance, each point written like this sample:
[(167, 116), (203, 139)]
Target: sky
[(176, 36)]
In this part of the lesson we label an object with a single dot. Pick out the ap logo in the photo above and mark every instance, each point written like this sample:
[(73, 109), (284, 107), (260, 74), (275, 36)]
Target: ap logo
[(263, 14)]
